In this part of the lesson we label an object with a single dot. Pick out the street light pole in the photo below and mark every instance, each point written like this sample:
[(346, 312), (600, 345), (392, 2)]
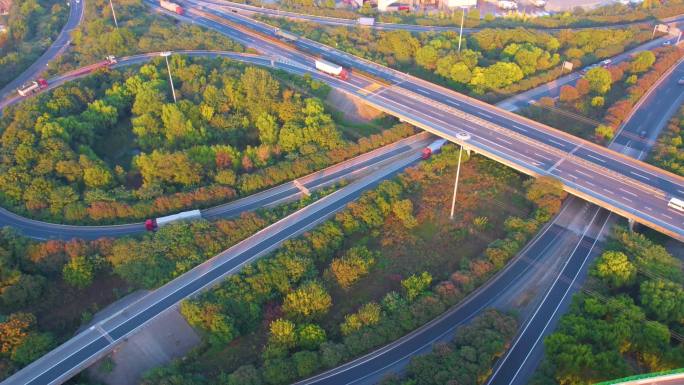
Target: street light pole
[(116, 23), (458, 172), (460, 35), (168, 67)]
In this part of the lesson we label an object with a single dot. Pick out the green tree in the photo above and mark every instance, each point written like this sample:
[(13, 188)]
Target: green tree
[(260, 90), (245, 375), (403, 210), (309, 301), (599, 80), (268, 128), (78, 272), (642, 62), (310, 336), (306, 363), (282, 332), (219, 327), (604, 132), (355, 264), (615, 269), (427, 56), (460, 73), (34, 346), (664, 300), (415, 285), (498, 75)]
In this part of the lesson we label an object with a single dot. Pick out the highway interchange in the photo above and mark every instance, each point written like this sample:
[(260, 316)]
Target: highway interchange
[(84, 348), (628, 187), (61, 43)]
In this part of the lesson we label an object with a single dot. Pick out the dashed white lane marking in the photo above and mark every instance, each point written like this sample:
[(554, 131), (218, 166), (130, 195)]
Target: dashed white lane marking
[(639, 175), (596, 158), (520, 128), (589, 183), (667, 216), (542, 156), (680, 191), (556, 142), (504, 140), (608, 191), (423, 91), (583, 173), (485, 115), (628, 192), (627, 199), (648, 208)]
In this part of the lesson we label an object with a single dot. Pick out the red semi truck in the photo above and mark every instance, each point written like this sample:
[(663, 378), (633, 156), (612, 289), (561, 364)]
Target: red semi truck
[(109, 60), (433, 148), (171, 6), (153, 224), (33, 86), (332, 69)]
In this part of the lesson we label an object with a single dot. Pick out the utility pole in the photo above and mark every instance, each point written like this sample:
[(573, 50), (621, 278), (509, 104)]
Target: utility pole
[(460, 35), (166, 55), (458, 172), (116, 23)]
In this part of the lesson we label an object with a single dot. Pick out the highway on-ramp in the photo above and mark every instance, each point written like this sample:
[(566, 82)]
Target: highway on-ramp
[(77, 353), (347, 170), (61, 43)]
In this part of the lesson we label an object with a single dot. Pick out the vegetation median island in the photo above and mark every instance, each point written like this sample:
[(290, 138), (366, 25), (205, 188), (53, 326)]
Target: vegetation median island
[(383, 266), (114, 147), (668, 152), (626, 320), (50, 289), (32, 26), (597, 106), (493, 63)]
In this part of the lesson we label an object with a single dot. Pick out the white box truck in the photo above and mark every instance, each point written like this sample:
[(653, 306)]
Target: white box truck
[(332, 69), (366, 21), (153, 224)]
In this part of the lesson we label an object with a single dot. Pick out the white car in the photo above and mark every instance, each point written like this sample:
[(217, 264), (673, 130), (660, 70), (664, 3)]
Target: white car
[(665, 43), (680, 81), (606, 62), (462, 135)]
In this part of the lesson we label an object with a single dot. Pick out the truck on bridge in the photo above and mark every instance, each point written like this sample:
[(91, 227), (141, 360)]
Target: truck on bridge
[(108, 61), (171, 6), (33, 86), (153, 224), (332, 69)]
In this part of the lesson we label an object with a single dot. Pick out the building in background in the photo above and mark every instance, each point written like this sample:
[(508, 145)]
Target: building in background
[(459, 3)]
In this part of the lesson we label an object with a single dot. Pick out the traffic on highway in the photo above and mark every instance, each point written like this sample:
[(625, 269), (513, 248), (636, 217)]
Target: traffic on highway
[(607, 183), (633, 189)]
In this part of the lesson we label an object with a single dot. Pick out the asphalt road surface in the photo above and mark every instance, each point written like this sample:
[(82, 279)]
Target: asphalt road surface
[(77, 353), (624, 185), (520, 362), (60, 44), (250, 10)]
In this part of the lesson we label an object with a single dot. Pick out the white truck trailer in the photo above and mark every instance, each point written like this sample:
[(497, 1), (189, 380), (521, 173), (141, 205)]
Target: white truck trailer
[(332, 69), (366, 21), (153, 224)]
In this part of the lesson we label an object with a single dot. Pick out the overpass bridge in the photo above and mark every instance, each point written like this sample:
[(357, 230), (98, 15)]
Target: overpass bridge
[(628, 187), (585, 169)]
